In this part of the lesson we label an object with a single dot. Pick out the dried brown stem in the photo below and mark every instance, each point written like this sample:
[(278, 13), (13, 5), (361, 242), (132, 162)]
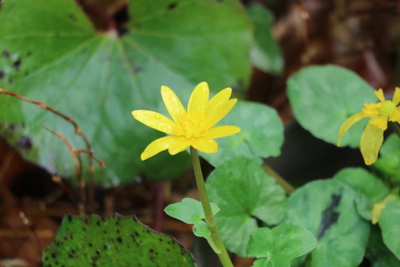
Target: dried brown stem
[(77, 161), (78, 131)]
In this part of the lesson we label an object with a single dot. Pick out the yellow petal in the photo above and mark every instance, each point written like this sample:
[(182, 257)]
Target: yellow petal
[(199, 98), (154, 120), (379, 121), (178, 145), (219, 111), (157, 146), (378, 207), (222, 131), (395, 116), (396, 96), (379, 94), (371, 109), (219, 99), (348, 123), (206, 145), (172, 103), (371, 142)]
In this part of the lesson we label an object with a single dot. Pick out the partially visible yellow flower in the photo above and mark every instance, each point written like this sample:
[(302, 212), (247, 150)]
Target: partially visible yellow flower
[(380, 113), (378, 207), (192, 127)]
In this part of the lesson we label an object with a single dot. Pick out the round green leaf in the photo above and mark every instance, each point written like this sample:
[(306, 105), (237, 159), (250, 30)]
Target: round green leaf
[(326, 209), (265, 53), (50, 52), (389, 223), (279, 246), (368, 187), (245, 194), (323, 97), (261, 134), (112, 241)]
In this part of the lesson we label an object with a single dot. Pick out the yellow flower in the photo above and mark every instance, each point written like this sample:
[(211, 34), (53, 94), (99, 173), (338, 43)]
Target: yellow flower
[(380, 113), (192, 127), (378, 207)]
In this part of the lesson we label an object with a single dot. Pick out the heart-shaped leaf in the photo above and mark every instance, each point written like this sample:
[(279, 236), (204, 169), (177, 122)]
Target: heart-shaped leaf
[(323, 97), (50, 52), (246, 196), (261, 134), (326, 209)]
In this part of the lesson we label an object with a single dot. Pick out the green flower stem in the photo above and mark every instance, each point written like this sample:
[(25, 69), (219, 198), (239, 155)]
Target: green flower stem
[(210, 220), (282, 182)]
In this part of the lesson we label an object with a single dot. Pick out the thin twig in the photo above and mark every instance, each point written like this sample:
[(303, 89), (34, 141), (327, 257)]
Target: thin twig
[(78, 131), (77, 160), (100, 162)]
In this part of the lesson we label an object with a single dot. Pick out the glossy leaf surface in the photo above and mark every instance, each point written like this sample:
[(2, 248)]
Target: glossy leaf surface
[(50, 52)]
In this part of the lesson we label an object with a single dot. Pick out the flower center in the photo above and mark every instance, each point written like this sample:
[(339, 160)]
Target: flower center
[(387, 108), (191, 125)]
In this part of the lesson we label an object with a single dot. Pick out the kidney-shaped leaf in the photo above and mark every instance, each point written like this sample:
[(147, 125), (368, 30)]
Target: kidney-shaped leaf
[(112, 241), (246, 195), (323, 97), (50, 52), (261, 134), (327, 209)]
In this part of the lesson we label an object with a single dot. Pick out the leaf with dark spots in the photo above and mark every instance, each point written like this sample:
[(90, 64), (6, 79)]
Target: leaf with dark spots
[(24, 142), (138, 69), (6, 54), (16, 64), (92, 247), (69, 56), (172, 6), (72, 17), (329, 216), (329, 212)]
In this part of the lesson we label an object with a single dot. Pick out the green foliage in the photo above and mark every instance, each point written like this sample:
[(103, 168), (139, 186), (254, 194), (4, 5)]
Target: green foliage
[(388, 164), (389, 223), (265, 54), (326, 209), (369, 189), (378, 254), (323, 97), (246, 195), (190, 211), (277, 247), (112, 241), (261, 134), (50, 52)]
